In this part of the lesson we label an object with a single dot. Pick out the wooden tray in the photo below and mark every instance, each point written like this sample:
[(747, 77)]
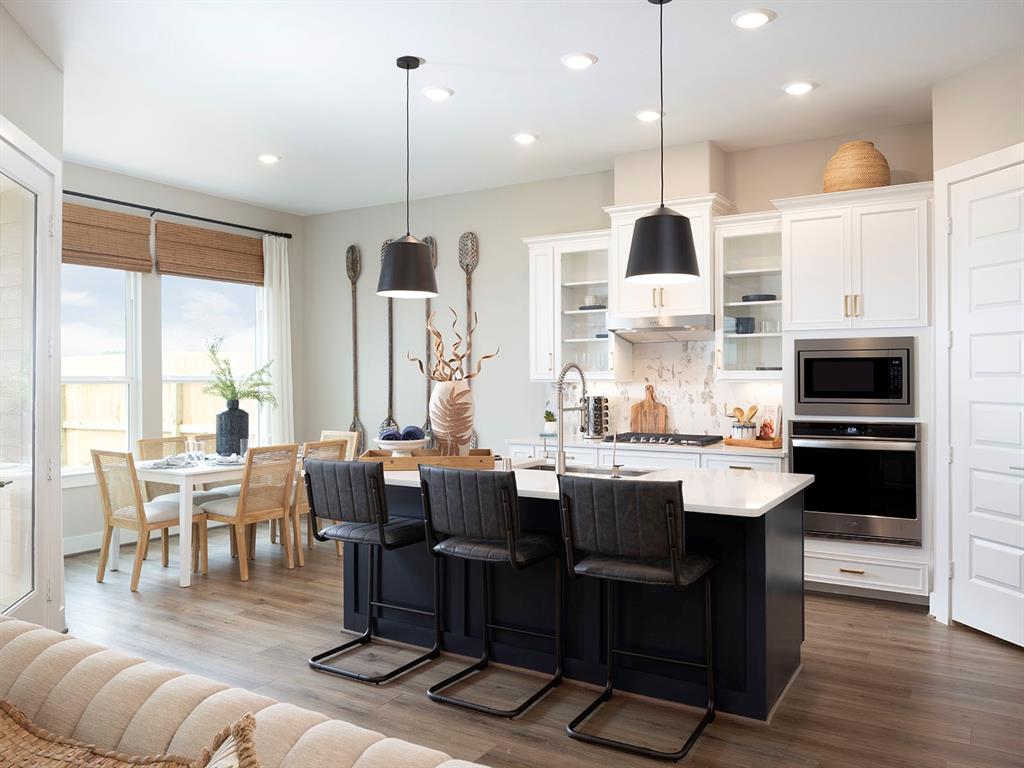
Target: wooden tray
[(478, 458), (774, 443)]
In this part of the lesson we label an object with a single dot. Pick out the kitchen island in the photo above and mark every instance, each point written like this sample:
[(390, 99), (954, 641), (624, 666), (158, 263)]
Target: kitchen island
[(750, 522)]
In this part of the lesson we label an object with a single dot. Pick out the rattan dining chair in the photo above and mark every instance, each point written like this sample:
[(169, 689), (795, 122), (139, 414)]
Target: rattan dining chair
[(124, 507), (337, 434), (266, 494), (323, 450)]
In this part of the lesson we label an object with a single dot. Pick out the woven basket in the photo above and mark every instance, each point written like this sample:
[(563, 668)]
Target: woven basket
[(856, 165)]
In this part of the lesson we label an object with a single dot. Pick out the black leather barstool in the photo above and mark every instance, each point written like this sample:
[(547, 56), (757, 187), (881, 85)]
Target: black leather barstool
[(474, 515), (353, 492), (633, 531)]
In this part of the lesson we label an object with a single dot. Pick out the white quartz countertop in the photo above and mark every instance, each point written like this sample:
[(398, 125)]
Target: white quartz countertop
[(717, 448), (740, 493)]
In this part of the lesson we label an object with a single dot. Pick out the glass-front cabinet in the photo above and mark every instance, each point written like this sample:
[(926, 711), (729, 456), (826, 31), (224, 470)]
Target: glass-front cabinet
[(748, 316), (569, 308)]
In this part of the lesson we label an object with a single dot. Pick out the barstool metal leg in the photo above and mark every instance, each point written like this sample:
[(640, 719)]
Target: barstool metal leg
[(372, 604), (709, 714), (434, 692)]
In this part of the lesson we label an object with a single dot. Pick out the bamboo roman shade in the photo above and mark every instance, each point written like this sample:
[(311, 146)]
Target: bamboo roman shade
[(196, 252), (98, 238)]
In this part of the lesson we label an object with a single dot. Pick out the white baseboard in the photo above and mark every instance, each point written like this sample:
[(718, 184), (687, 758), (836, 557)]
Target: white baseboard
[(90, 542)]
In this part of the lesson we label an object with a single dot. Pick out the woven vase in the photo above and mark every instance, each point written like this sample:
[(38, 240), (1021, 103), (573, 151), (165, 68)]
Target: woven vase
[(856, 165)]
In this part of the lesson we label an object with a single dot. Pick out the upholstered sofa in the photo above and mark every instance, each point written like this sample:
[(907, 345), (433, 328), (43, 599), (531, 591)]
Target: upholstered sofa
[(119, 702)]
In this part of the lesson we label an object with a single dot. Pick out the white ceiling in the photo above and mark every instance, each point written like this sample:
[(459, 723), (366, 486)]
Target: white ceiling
[(189, 93)]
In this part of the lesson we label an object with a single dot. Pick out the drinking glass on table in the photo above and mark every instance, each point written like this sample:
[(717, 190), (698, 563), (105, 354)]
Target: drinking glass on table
[(243, 446)]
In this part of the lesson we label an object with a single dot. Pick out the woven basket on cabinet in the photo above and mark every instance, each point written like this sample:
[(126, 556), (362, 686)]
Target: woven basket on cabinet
[(856, 165)]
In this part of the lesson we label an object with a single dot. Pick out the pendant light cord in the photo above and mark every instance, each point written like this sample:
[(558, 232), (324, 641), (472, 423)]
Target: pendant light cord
[(407, 227), (661, 92)]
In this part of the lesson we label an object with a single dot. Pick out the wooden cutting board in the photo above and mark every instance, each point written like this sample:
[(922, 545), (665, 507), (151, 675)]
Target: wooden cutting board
[(648, 415)]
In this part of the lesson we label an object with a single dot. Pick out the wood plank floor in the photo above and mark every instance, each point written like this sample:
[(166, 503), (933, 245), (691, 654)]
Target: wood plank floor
[(882, 684)]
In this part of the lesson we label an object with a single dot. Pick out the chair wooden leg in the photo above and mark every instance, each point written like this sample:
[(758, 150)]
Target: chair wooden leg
[(300, 558), (310, 527), (196, 546), (251, 531), (242, 544), (273, 531), (145, 549), (205, 547), (140, 554), (338, 549), (286, 540), (233, 540), (165, 547), (108, 532)]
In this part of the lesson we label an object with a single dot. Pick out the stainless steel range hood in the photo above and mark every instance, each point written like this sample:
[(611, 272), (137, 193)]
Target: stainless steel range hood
[(660, 328)]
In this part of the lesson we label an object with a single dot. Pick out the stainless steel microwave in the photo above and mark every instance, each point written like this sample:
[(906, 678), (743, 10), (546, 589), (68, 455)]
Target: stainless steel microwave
[(855, 377)]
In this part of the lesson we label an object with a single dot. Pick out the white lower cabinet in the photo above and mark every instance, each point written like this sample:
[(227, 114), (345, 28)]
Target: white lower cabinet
[(903, 576), (576, 456), (630, 459), (519, 451), (762, 463)]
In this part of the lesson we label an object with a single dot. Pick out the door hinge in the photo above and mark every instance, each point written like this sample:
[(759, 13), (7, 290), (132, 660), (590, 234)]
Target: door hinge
[(53, 226), (49, 469), (952, 569), (951, 454), (49, 347), (949, 226), (949, 341), (49, 590)]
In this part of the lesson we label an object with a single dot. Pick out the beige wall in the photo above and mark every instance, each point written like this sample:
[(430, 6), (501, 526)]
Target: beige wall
[(31, 87), (690, 169), (755, 176), (980, 110), (81, 511), (507, 403)]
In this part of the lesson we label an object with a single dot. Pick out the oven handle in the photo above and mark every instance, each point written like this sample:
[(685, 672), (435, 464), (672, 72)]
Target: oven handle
[(856, 445)]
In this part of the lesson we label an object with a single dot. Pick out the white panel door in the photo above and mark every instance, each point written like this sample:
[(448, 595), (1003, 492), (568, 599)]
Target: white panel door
[(696, 298), (627, 299), (542, 314), (890, 265), (816, 269), (987, 402)]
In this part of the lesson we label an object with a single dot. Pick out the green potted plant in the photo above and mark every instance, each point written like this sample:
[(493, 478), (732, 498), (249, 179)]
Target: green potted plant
[(550, 423), (233, 424)]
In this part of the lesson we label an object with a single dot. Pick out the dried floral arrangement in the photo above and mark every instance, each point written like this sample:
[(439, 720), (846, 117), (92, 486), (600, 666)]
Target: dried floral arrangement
[(450, 366)]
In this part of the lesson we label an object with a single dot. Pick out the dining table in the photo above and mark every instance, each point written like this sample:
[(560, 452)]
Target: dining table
[(186, 477)]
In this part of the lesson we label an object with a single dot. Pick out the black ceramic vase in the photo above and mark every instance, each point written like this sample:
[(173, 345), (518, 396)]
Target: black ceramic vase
[(232, 427)]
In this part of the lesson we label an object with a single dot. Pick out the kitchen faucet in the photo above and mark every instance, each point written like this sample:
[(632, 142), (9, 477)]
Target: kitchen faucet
[(562, 410)]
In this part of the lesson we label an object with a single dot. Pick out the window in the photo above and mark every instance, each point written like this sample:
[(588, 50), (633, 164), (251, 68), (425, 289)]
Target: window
[(96, 386), (194, 312)]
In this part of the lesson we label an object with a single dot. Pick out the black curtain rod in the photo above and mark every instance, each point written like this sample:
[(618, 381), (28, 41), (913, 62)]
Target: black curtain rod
[(180, 215)]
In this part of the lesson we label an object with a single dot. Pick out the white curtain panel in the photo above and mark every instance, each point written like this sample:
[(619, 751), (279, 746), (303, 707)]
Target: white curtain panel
[(277, 424)]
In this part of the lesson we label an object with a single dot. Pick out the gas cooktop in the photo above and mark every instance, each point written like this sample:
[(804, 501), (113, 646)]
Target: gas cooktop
[(659, 439)]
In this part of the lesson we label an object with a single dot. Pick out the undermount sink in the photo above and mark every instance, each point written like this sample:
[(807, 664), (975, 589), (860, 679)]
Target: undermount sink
[(592, 470)]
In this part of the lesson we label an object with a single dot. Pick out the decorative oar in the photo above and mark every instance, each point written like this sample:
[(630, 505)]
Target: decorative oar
[(428, 433), (469, 257), (389, 421), (354, 267)]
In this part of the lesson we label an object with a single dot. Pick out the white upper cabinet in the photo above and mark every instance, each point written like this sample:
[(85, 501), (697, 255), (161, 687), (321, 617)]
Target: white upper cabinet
[(542, 313), (696, 298), (569, 308), (856, 259)]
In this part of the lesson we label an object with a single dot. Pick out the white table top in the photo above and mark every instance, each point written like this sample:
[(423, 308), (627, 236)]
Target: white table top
[(198, 472), (720, 449), (740, 493)]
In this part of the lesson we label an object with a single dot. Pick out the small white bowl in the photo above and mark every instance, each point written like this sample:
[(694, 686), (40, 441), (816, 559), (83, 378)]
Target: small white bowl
[(401, 447)]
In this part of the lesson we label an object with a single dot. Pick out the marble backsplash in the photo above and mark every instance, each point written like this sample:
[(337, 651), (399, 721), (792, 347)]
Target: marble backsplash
[(683, 376)]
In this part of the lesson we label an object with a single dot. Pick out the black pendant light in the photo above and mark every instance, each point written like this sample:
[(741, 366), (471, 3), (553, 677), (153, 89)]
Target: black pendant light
[(406, 271), (662, 250)]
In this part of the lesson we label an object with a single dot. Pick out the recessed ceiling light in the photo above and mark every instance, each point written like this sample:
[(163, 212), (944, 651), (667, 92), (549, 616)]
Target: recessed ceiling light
[(524, 138), (753, 18), (579, 60), (648, 115), (437, 92), (799, 87), (268, 159)]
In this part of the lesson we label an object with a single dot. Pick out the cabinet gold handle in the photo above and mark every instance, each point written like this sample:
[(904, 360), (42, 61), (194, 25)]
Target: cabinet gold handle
[(736, 466), (854, 571), (654, 297), (856, 305), (846, 305), (661, 297)]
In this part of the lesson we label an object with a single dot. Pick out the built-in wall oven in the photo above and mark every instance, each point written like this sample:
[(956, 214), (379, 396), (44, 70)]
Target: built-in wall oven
[(867, 479), (854, 377)]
